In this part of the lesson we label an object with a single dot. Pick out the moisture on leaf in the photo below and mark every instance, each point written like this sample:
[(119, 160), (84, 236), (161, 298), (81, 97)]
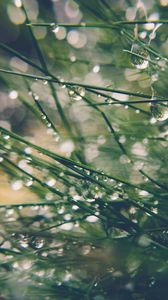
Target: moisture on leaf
[(139, 57)]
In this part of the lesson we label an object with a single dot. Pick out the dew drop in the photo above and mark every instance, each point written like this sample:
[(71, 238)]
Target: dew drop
[(6, 137), (37, 243), (92, 219), (56, 137), (18, 3), (139, 56), (36, 97), (49, 125), (154, 77), (77, 93), (51, 182), (1, 159), (17, 185), (55, 28), (73, 58), (96, 69), (13, 95), (29, 182), (23, 241), (159, 112)]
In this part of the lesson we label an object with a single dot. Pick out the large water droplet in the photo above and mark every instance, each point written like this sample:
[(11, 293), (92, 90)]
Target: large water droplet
[(139, 56), (159, 112)]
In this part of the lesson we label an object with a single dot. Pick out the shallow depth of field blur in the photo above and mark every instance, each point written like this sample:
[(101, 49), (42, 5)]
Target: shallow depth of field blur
[(106, 236)]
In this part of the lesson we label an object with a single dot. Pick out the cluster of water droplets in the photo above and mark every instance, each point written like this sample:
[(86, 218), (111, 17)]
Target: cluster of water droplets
[(140, 58)]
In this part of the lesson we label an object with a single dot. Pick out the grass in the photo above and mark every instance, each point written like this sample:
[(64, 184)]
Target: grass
[(92, 149)]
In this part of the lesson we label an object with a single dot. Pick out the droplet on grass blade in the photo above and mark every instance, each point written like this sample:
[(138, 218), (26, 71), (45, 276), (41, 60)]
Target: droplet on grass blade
[(54, 27), (159, 112), (77, 93), (37, 243), (139, 56)]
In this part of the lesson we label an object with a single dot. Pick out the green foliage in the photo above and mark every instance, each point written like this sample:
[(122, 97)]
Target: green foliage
[(88, 138)]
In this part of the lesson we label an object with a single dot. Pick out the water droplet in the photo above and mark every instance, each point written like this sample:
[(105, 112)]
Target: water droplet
[(152, 282), (96, 69), (6, 137), (115, 196), (17, 185), (67, 226), (139, 56), (37, 243), (159, 112), (154, 210), (49, 125), (92, 219), (18, 3), (108, 100), (67, 217), (77, 93), (56, 136), (23, 241), (73, 58), (154, 77), (28, 182), (36, 97), (51, 182), (28, 150), (13, 95), (55, 27)]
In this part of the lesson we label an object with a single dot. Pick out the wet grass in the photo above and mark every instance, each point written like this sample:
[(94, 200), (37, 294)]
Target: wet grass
[(98, 227)]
